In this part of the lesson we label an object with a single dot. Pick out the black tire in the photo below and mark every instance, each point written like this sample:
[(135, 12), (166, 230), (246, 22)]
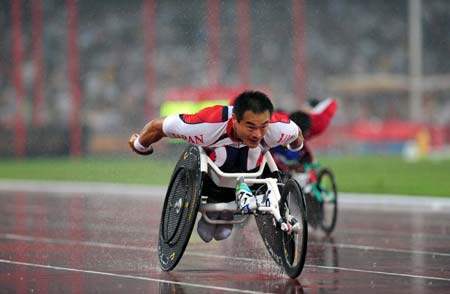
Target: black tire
[(271, 236), (267, 225), (180, 208), (326, 185), (294, 244)]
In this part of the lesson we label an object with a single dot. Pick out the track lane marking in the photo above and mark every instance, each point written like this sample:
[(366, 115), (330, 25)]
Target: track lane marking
[(5, 261), (374, 248), (117, 246), (380, 273), (202, 254)]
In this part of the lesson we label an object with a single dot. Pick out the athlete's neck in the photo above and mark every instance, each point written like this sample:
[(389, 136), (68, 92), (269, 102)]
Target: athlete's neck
[(234, 137)]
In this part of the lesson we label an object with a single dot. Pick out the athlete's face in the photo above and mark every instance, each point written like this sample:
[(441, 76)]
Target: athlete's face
[(252, 128)]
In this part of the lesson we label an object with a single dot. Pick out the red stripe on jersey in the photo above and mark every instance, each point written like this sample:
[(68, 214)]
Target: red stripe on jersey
[(260, 159), (212, 155), (212, 114), (280, 117)]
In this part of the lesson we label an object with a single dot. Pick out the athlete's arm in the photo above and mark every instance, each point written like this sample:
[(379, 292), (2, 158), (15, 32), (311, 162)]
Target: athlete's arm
[(321, 117), (151, 133), (297, 144), (328, 106)]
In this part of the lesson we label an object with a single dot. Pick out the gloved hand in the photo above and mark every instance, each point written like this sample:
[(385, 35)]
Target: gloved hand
[(137, 147)]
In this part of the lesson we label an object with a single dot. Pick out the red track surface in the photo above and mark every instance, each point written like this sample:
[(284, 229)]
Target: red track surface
[(107, 243)]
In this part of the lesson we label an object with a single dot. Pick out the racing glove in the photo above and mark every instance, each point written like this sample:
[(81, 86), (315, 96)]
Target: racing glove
[(137, 147)]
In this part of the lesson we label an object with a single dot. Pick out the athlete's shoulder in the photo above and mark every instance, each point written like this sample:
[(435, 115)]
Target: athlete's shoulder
[(212, 114)]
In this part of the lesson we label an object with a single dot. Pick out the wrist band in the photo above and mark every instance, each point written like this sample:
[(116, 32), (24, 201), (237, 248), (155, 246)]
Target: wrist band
[(294, 149), (139, 147)]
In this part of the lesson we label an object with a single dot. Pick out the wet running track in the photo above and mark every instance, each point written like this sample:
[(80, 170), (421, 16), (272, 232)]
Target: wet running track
[(68, 238)]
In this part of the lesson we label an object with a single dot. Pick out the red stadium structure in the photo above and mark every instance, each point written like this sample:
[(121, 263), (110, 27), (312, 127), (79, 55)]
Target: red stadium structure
[(17, 52), (74, 76), (37, 61), (148, 21)]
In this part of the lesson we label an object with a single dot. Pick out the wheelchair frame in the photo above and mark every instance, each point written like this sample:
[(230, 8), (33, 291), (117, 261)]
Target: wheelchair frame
[(228, 180)]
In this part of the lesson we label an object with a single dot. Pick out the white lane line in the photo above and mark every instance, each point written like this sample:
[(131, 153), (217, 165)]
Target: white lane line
[(62, 189), (117, 246), (333, 268), (379, 273), (202, 254), (126, 276), (394, 202), (374, 248), (72, 242)]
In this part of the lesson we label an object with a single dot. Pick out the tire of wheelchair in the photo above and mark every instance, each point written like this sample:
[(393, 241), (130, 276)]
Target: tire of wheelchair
[(278, 242), (180, 208), (328, 227), (271, 236), (295, 244), (267, 227)]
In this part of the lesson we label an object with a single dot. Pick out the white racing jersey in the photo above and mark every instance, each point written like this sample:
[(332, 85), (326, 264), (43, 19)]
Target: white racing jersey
[(211, 128)]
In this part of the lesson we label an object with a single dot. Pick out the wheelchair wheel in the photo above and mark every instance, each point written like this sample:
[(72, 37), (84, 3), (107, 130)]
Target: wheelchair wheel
[(294, 244), (180, 208), (271, 236), (267, 226), (328, 207)]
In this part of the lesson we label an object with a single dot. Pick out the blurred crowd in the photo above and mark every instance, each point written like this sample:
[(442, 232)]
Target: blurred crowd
[(343, 38)]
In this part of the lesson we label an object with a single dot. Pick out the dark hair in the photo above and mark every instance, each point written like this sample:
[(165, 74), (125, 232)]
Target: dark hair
[(254, 101), (312, 102), (302, 120)]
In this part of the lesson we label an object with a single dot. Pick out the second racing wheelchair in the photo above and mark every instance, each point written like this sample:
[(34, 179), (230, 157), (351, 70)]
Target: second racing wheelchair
[(318, 185)]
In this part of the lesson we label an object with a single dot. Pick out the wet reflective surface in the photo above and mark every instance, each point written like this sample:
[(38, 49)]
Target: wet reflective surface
[(106, 243)]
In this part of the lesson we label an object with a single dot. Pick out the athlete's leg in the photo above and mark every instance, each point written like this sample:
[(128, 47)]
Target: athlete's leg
[(206, 230), (224, 231)]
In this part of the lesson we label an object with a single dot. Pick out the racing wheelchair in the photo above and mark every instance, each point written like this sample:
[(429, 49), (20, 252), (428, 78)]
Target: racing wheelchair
[(279, 208)]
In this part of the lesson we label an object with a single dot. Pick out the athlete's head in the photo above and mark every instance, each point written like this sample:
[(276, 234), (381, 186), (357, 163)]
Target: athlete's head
[(254, 101), (302, 120), (251, 117)]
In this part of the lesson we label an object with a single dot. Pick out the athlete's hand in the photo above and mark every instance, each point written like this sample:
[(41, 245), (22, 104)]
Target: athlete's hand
[(137, 147)]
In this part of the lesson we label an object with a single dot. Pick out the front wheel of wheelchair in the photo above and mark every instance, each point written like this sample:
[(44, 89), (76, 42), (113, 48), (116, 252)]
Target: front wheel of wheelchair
[(180, 208), (294, 243), (328, 210)]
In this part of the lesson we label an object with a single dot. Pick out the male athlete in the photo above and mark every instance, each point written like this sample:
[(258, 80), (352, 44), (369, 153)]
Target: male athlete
[(234, 137), (313, 122)]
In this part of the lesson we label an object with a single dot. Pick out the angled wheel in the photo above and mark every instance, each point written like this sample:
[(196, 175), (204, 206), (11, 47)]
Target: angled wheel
[(294, 243), (271, 236), (269, 230), (326, 184), (180, 208)]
